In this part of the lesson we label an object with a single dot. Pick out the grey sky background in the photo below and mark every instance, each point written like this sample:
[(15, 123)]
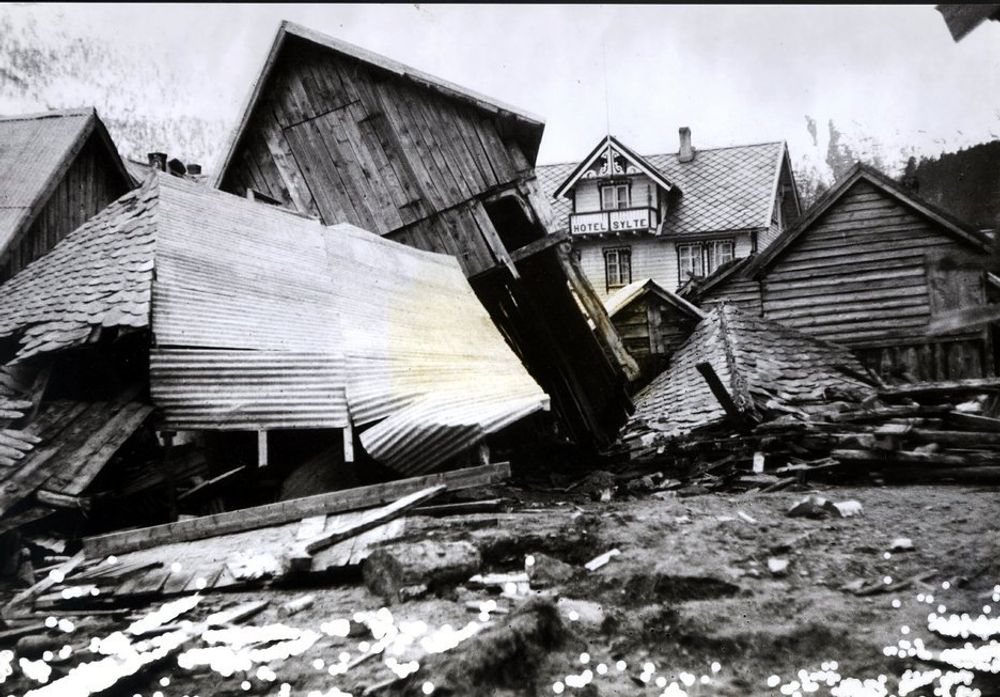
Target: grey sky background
[(886, 75)]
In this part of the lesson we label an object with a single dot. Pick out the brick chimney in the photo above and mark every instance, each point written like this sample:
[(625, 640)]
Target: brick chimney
[(686, 152), (158, 160)]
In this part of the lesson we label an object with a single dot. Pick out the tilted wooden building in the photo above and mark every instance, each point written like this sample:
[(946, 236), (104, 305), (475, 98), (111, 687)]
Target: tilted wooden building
[(57, 170), (334, 131), (869, 266)]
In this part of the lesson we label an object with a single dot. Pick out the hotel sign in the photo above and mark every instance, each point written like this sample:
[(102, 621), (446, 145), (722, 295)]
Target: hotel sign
[(611, 221)]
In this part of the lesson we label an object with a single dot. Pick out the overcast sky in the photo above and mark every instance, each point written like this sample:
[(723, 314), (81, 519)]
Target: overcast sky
[(734, 74)]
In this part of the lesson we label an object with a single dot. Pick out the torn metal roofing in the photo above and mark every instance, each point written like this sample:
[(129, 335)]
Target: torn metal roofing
[(35, 151), (767, 368), (263, 319), (723, 188)]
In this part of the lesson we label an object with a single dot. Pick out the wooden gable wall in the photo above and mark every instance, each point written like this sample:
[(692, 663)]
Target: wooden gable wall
[(91, 182), (343, 140), (652, 329), (868, 274)]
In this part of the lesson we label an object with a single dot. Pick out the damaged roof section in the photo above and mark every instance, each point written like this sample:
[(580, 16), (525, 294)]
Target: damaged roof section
[(99, 276), (263, 319), (766, 369)]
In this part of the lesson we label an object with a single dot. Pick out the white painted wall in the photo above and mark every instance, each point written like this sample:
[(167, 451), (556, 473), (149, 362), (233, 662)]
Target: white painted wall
[(651, 258)]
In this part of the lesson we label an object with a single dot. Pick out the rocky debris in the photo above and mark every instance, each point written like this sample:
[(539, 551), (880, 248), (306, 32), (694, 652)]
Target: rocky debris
[(398, 571), (545, 571)]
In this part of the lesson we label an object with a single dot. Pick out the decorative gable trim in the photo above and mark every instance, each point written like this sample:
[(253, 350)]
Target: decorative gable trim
[(611, 158)]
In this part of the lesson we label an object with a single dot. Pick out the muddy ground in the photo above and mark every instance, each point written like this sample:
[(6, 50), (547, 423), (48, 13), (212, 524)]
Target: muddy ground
[(691, 595)]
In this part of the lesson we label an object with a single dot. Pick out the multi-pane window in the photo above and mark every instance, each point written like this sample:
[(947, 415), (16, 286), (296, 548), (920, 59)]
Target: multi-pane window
[(689, 261), (614, 197), (617, 267), (718, 252), (702, 258)]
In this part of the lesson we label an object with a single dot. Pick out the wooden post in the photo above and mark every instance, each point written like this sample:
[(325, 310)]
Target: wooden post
[(168, 466), (261, 449), (722, 396), (348, 432)]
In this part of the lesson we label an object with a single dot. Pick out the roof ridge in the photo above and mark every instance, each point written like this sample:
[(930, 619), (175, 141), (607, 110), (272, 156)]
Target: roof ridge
[(54, 113), (673, 154)]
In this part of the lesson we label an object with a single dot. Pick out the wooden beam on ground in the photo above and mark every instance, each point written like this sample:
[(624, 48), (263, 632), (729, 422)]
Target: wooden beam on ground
[(539, 245), (11, 609), (938, 389), (902, 457), (723, 397), (301, 558), (973, 421), (288, 511)]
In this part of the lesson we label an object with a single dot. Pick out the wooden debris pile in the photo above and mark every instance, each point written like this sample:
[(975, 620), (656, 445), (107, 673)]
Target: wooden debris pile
[(749, 404)]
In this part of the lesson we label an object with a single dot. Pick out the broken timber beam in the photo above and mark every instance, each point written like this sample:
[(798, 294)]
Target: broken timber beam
[(539, 245), (301, 558), (288, 511), (939, 389), (723, 397)]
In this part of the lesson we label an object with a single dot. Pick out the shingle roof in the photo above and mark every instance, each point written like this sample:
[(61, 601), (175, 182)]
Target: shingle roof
[(767, 368), (99, 275), (32, 148), (723, 188)]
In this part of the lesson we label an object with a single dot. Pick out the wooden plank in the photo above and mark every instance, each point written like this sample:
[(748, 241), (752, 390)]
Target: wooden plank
[(301, 557), (288, 511), (12, 608), (539, 245), (936, 389), (597, 313), (973, 421), (723, 397), (211, 484), (899, 457), (90, 458)]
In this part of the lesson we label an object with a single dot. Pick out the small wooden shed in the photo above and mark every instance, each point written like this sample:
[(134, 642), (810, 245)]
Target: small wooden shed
[(652, 322)]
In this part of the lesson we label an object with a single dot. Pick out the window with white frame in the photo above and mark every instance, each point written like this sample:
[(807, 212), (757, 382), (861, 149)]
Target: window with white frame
[(617, 267), (717, 253), (615, 197), (702, 258), (689, 262)]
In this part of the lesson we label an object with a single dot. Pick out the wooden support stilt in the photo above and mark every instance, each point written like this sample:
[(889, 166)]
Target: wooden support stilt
[(261, 449), (168, 467)]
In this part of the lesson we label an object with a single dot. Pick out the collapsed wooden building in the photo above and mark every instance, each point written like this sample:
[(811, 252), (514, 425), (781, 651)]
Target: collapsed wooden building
[(333, 131), (870, 266), (245, 326)]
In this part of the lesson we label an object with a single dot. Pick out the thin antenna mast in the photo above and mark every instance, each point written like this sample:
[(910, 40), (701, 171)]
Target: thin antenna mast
[(607, 102)]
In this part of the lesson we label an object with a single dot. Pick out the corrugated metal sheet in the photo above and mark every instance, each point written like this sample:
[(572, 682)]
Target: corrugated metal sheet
[(255, 390), (264, 319)]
